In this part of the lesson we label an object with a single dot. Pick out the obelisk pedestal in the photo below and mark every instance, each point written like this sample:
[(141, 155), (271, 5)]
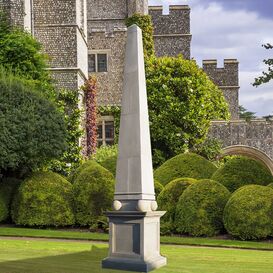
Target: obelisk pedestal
[(134, 224)]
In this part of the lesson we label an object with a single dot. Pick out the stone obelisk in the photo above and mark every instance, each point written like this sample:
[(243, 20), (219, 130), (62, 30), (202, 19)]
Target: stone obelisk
[(134, 224)]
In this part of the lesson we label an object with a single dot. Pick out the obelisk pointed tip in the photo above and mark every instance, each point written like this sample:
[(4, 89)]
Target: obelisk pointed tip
[(134, 28)]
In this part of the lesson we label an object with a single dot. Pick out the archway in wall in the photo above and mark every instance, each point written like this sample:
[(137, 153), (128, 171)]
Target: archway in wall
[(250, 152)]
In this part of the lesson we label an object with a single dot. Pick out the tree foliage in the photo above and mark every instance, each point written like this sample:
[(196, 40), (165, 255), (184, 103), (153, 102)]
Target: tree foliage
[(32, 128), (182, 102), (22, 54), (267, 75), (245, 114)]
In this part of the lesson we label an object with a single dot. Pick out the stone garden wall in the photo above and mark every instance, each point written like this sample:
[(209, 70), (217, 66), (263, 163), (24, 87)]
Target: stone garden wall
[(256, 133)]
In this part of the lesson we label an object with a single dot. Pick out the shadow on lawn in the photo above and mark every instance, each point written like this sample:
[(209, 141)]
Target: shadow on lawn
[(80, 262)]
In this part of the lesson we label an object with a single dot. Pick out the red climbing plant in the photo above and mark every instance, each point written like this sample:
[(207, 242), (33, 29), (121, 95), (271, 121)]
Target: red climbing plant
[(90, 94)]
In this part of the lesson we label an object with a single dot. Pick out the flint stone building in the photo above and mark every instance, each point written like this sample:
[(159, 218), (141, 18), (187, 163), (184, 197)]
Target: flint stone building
[(85, 37)]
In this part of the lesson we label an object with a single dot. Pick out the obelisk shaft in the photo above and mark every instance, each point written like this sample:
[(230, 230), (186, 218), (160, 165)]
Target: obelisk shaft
[(134, 179), (134, 225)]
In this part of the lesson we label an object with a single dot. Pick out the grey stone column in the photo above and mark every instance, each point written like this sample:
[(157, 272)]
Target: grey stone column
[(134, 223)]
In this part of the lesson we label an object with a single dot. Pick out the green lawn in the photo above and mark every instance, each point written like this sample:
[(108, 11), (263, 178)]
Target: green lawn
[(57, 234), (19, 256)]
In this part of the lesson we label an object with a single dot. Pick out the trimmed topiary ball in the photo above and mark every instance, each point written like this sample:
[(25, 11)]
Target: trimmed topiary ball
[(270, 185), (200, 208), (43, 199), (248, 214), (240, 171), (8, 187), (90, 163), (168, 198), (185, 165), (93, 192)]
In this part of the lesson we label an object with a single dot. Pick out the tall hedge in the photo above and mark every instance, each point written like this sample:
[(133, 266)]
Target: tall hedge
[(185, 165), (240, 171), (32, 129), (43, 199), (248, 214), (200, 208)]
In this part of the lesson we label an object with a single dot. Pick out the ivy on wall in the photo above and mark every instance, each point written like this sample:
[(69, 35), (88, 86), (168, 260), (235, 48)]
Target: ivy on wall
[(68, 101), (145, 23), (90, 95)]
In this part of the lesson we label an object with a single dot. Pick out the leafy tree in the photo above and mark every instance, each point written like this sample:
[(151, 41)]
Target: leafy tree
[(182, 102), (245, 114), (267, 75), (21, 53), (32, 128)]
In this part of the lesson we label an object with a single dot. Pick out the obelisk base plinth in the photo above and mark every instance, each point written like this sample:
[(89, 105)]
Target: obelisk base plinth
[(134, 241)]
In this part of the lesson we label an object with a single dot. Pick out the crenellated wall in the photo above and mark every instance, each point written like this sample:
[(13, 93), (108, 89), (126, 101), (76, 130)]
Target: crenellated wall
[(172, 34), (227, 78)]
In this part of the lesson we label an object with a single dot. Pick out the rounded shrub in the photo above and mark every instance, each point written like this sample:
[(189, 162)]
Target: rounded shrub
[(168, 198), (8, 187), (240, 171), (270, 185), (93, 192), (200, 208), (88, 164), (43, 199), (185, 165), (110, 164), (248, 214), (158, 188)]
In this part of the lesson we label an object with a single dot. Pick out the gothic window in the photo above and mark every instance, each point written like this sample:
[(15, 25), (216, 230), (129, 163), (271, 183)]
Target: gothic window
[(106, 131), (97, 62)]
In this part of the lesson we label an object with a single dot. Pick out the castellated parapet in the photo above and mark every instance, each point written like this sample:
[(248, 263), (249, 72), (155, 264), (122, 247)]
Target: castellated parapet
[(172, 32), (227, 79)]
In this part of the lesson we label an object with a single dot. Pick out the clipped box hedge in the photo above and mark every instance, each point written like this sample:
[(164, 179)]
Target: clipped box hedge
[(43, 199), (248, 214), (200, 208), (240, 171), (185, 165)]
